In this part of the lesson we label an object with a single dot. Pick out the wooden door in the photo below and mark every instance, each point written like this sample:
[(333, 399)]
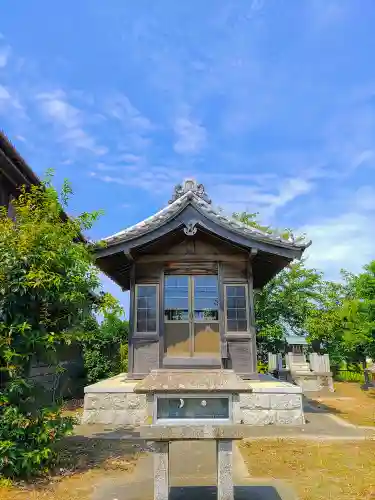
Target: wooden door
[(191, 316)]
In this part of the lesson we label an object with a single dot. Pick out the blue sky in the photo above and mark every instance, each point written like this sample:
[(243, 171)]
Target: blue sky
[(269, 103)]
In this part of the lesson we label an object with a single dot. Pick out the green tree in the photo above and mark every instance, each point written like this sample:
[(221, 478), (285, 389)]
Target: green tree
[(105, 347), (48, 286), (324, 324), (251, 219), (283, 304), (344, 323), (358, 314)]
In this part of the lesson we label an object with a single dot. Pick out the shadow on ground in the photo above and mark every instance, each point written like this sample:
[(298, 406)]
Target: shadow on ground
[(80, 453), (210, 493), (313, 406), (144, 491)]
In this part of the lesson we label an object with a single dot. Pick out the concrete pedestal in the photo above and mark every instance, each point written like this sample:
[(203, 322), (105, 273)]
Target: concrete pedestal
[(224, 461), (161, 470)]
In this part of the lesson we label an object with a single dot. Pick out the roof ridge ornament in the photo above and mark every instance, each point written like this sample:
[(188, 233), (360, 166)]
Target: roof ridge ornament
[(189, 185)]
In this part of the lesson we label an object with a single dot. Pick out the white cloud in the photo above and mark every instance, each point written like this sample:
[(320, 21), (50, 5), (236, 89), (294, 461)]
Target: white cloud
[(9, 101), (364, 199), (4, 94), (265, 197), (129, 158), (154, 179), (81, 139), (345, 240), (56, 107), (4, 56), (326, 13), (190, 136), (342, 242), (362, 158), (120, 107)]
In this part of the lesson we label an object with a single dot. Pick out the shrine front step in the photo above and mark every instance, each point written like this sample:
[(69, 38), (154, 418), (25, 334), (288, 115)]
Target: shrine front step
[(113, 402)]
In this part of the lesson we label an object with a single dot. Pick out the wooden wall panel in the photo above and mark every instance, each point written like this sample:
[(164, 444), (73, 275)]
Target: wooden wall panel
[(234, 271), (145, 357), (240, 357), (148, 273)]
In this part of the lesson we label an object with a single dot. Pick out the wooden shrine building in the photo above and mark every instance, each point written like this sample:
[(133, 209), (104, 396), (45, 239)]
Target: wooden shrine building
[(191, 272)]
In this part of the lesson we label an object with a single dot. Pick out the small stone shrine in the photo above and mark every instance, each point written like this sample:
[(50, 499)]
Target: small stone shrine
[(192, 405), (311, 371)]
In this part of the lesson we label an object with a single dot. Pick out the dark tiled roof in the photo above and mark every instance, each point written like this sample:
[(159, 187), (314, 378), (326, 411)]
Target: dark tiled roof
[(20, 166), (192, 193)]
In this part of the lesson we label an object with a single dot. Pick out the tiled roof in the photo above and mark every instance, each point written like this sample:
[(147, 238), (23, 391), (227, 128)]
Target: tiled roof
[(192, 193), (22, 169)]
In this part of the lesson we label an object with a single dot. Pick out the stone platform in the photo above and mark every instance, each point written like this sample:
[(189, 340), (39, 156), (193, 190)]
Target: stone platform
[(272, 402)]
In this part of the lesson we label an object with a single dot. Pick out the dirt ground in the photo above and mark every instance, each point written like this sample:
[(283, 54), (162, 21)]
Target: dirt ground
[(349, 402), (84, 462), (316, 470)]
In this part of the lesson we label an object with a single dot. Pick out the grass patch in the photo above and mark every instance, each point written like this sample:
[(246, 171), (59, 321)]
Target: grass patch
[(83, 463), (315, 470), (350, 402)]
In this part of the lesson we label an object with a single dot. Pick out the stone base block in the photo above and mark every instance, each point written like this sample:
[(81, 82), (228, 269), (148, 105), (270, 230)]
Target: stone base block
[(313, 381), (113, 402), (271, 403)]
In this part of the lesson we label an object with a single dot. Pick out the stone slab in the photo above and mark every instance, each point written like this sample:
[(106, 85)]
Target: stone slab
[(118, 383), (158, 432), (181, 381), (274, 387)]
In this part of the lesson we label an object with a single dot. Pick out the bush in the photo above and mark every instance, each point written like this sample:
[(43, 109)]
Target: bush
[(262, 367), (124, 353), (48, 286), (27, 435), (105, 348)]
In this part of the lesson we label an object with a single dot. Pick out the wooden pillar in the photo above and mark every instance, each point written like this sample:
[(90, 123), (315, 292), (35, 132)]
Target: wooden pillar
[(223, 340), (161, 319), (131, 320), (252, 328)]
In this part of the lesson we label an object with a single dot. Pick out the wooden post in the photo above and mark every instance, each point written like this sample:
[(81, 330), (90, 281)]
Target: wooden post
[(253, 340), (132, 306)]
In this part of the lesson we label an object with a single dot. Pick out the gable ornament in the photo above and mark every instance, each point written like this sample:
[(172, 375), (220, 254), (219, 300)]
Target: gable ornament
[(189, 185), (191, 228)]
